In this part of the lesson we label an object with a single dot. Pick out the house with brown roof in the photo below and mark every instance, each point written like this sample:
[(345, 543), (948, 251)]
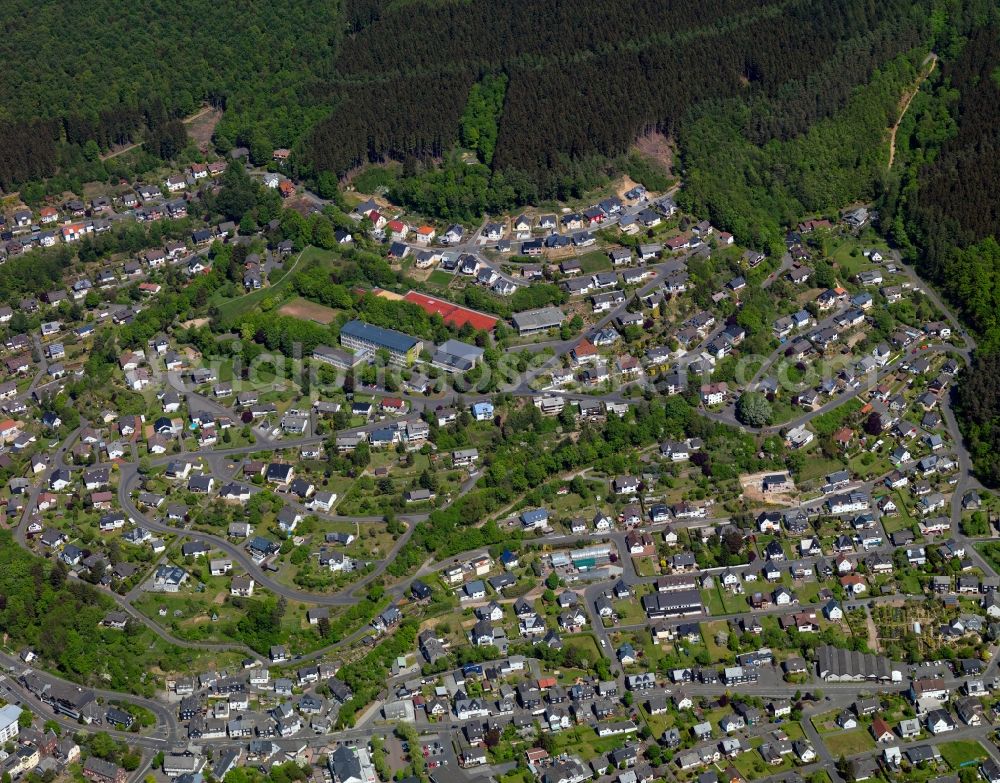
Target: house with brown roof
[(584, 351), (881, 731)]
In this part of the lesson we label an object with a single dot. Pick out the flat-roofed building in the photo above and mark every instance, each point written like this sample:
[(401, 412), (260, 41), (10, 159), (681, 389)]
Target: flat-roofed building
[(359, 336), (456, 356), (673, 604), (335, 357), (540, 320)]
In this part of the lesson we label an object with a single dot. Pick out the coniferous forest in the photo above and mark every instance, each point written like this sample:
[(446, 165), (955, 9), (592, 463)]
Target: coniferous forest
[(584, 80)]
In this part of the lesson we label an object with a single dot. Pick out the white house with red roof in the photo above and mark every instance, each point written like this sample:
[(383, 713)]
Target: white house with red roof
[(584, 352), (397, 230), (425, 235), (75, 231)]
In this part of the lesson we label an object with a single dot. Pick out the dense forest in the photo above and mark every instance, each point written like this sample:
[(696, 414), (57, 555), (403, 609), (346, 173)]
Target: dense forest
[(944, 204), (584, 81), (977, 403), (757, 191), (544, 93), (957, 201), (120, 71)]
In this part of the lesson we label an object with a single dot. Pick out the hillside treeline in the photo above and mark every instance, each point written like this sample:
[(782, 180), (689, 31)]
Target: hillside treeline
[(118, 70), (957, 200), (941, 203), (585, 80)]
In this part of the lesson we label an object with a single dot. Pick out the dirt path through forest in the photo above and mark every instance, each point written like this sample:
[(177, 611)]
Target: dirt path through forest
[(130, 147), (932, 58)]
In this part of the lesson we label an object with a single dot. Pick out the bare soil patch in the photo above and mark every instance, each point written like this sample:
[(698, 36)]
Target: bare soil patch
[(308, 311), (92, 190), (420, 274), (623, 185), (751, 484), (873, 640), (658, 147), (120, 149), (303, 204), (201, 126), (808, 295), (854, 339), (195, 323)]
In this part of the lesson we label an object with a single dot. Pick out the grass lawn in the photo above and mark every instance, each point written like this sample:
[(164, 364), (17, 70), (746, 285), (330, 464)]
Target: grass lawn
[(849, 265), (825, 721), (189, 614), (708, 632), (584, 741), (569, 676), (629, 612), (733, 602), (902, 503), (893, 523), (987, 553), (721, 601), (595, 261), (808, 591), (251, 301), (657, 723), (877, 467), (645, 566), (849, 743), (961, 752), (713, 601), (751, 766), (782, 411), (817, 467), (439, 278), (585, 645), (910, 585)]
